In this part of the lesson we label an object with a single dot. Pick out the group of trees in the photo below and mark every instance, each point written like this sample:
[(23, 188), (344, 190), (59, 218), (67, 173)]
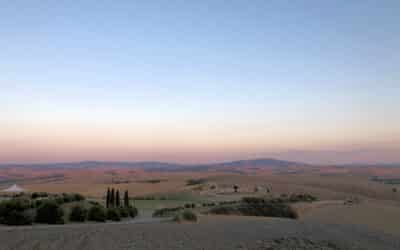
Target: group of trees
[(115, 209), (20, 211), (49, 209), (113, 199)]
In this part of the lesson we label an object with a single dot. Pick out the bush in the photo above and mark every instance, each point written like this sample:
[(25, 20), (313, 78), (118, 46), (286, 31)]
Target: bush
[(94, 203), (190, 205), (49, 212), (36, 195), (192, 182), (78, 213), (18, 218), (267, 209), (68, 197), (293, 198), (123, 212), (167, 212), (253, 200), (16, 212), (187, 215), (133, 211), (113, 214), (97, 213)]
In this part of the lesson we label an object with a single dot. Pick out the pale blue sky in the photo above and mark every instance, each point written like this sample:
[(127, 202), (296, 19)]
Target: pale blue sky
[(210, 76)]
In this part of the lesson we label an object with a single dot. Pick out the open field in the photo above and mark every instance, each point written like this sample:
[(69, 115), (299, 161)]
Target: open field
[(354, 210)]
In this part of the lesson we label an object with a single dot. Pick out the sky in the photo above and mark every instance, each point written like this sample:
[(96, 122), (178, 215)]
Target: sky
[(200, 81)]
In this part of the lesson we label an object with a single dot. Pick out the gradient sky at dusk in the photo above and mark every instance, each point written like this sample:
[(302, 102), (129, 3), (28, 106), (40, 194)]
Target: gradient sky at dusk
[(317, 81)]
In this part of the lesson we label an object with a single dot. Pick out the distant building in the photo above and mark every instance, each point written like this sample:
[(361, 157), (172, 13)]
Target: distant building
[(13, 189)]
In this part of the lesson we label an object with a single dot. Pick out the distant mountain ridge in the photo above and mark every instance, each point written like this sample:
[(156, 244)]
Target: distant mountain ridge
[(164, 166)]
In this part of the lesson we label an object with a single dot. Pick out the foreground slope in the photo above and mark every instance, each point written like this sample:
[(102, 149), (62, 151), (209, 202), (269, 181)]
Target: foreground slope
[(211, 232)]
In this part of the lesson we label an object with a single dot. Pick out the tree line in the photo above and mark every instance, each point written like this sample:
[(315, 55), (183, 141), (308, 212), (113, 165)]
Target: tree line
[(113, 199)]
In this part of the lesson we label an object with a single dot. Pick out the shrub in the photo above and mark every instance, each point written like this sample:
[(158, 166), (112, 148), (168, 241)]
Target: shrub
[(132, 211), (36, 195), (68, 197), (94, 203), (187, 215), (97, 213), (192, 182), (18, 218), (296, 198), (16, 212), (78, 213), (268, 209), (123, 212), (209, 204), (113, 214), (49, 212), (253, 200), (167, 212)]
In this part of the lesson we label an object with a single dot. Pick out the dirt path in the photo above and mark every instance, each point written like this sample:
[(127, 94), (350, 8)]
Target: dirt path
[(212, 232)]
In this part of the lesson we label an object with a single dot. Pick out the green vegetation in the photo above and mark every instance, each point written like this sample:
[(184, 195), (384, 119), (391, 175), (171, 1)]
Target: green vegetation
[(16, 212), (49, 212), (97, 213), (113, 214), (117, 199), (153, 181), (115, 209), (208, 204), (192, 182), (284, 198), (36, 195), (132, 211), (48, 208), (126, 199), (66, 198), (190, 205), (167, 212), (268, 209), (78, 213), (187, 215), (388, 181), (260, 206)]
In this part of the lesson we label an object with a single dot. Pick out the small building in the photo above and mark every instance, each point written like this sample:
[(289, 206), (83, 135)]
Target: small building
[(14, 189)]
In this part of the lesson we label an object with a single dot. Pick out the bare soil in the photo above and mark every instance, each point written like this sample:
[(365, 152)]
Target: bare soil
[(211, 232)]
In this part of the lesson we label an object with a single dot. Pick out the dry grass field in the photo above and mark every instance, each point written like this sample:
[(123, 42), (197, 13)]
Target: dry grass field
[(346, 196)]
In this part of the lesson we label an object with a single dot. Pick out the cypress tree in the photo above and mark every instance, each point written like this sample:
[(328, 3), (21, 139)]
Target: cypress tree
[(108, 198), (126, 199), (112, 198), (117, 199)]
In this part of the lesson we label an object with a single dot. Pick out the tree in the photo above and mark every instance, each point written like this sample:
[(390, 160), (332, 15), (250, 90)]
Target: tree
[(78, 213), (117, 199), (108, 198), (16, 212), (112, 198), (113, 214), (126, 199), (236, 188), (50, 212), (97, 213)]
